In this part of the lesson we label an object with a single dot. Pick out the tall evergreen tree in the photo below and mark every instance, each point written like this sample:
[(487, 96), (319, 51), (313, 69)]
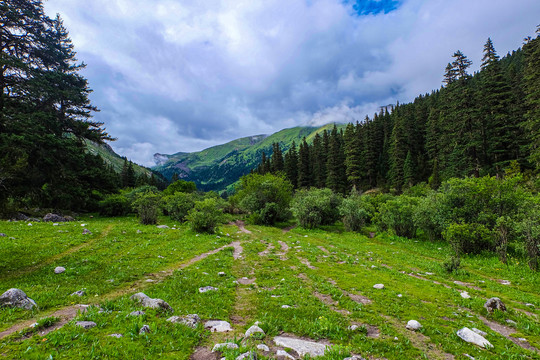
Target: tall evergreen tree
[(291, 165), (305, 176), (353, 154), (532, 91)]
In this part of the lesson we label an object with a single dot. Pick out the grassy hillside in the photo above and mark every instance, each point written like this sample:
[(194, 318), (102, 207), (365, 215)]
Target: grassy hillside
[(112, 158), (217, 167), (312, 285)]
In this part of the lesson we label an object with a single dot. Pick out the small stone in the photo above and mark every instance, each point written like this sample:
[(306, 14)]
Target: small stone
[(86, 324), (30, 224), (148, 302), (163, 227), (254, 330), (218, 326), (137, 313), (493, 304), (220, 347), (505, 282), (396, 338), (248, 355), (530, 305), (479, 332), (78, 293), (413, 325), (2, 235), (139, 232), (207, 288), (378, 286), (354, 357), (221, 273), (283, 353), (469, 356), (399, 295), (465, 295), (263, 347), (285, 307), (353, 327), (511, 322), (59, 270), (190, 320), (87, 232), (522, 339), (145, 329), (118, 336), (470, 336)]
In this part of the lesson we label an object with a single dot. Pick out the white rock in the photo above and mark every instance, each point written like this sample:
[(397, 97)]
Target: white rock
[(413, 325), (219, 347), (207, 288), (79, 293), (302, 347), (465, 295), (263, 347), (511, 322), (221, 273), (247, 355), (470, 336), (148, 302), (353, 327), (137, 313), (86, 324), (190, 320), (118, 336), (162, 227), (505, 282), (285, 307), (399, 295), (479, 332), (59, 270), (254, 330), (217, 326), (378, 286), (283, 353), (145, 329)]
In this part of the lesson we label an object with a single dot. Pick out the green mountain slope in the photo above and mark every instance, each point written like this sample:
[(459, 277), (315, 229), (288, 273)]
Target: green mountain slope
[(113, 159), (217, 167)]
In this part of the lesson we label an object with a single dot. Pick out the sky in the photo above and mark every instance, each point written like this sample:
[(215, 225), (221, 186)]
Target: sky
[(183, 75)]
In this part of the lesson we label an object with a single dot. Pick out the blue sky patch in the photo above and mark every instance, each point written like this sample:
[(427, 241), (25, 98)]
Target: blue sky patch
[(374, 7)]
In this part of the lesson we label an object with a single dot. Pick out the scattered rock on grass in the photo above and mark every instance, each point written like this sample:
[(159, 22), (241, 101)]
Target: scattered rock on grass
[(118, 336), (413, 325), (190, 320), (494, 304), (137, 313), (145, 329), (378, 286), (207, 288), (59, 269), (148, 302), (222, 346), (511, 322), (16, 298), (87, 232), (302, 347), (86, 324), (221, 273), (78, 293), (54, 218), (263, 347), (354, 357), (217, 326), (251, 355), (465, 295), (470, 336), (254, 330), (163, 227), (479, 332), (283, 354), (2, 235)]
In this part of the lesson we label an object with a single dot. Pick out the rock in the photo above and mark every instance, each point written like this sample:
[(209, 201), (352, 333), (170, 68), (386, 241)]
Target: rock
[(378, 286), (511, 322), (78, 293), (504, 282), (479, 332), (207, 288), (528, 304), (144, 330), (302, 347), (118, 336), (137, 313), (139, 232), (50, 217), (16, 298), (399, 295), (285, 307), (470, 336), (353, 327), (86, 324), (413, 325), (221, 273), (59, 270), (69, 218), (148, 302), (354, 357), (263, 347), (2, 235), (190, 320), (219, 347), (254, 330), (217, 326), (251, 355), (469, 356), (87, 232), (465, 295), (163, 227), (494, 304), (283, 353)]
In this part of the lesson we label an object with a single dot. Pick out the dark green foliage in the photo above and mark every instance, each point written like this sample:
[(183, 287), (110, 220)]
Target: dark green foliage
[(206, 215), (115, 205), (315, 207), (147, 206), (178, 205), (265, 197), (291, 165), (305, 174), (397, 215), (356, 211), (532, 91), (180, 186), (469, 238)]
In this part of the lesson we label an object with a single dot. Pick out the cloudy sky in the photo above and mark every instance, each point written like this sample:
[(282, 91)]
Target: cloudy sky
[(183, 75)]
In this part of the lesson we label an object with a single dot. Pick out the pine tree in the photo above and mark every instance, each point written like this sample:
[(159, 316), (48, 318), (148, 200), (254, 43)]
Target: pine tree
[(409, 171), (319, 162), (277, 159), (353, 154), (532, 91), (291, 165), (305, 177), (336, 178)]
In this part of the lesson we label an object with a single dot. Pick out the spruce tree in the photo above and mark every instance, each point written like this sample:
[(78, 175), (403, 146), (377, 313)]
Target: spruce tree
[(305, 176), (291, 165), (353, 154), (532, 91)]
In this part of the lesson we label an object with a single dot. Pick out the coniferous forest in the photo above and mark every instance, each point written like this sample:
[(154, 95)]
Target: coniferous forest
[(474, 125)]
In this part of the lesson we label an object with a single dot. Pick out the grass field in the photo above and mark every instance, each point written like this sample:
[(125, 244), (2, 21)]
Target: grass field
[(325, 277)]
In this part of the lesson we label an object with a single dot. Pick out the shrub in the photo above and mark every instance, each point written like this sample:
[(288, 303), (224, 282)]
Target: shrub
[(431, 215), (356, 211), (469, 238), (147, 207), (180, 186), (205, 216), (397, 215), (132, 195), (265, 197), (114, 205), (315, 207), (178, 205)]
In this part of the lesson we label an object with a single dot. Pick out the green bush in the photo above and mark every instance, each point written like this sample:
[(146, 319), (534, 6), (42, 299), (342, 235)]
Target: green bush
[(431, 215), (397, 215), (265, 197), (114, 205), (315, 207), (206, 215), (180, 186), (178, 205), (133, 194), (469, 238), (356, 212), (147, 207)]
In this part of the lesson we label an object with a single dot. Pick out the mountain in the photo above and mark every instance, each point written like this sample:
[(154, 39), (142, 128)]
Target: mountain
[(113, 159), (220, 166)]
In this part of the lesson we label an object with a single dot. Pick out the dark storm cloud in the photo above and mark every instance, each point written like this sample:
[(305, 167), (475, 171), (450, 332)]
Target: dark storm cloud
[(173, 75)]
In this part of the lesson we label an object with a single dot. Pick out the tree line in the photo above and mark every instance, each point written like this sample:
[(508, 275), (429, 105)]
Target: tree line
[(474, 125)]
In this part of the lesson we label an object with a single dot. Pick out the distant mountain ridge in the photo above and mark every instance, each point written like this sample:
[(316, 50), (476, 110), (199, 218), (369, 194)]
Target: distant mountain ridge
[(218, 167)]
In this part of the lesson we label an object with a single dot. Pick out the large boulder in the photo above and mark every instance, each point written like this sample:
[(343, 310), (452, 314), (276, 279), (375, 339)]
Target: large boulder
[(494, 304), (148, 302), (16, 298), (50, 217), (302, 347)]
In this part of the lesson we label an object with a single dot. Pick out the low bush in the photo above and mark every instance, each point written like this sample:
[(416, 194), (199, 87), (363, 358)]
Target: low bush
[(397, 215), (356, 211), (114, 205), (147, 206), (178, 205), (315, 207), (206, 215)]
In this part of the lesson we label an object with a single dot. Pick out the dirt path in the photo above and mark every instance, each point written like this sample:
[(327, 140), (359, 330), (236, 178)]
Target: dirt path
[(241, 226), (59, 256), (507, 332), (267, 250), (289, 228)]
